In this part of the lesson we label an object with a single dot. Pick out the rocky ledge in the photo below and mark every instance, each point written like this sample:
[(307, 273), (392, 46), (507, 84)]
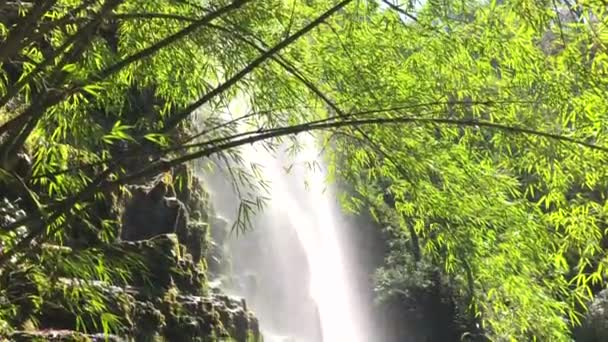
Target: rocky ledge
[(167, 300)]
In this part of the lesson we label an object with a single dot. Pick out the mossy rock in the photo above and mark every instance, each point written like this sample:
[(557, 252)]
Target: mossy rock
[(197, 240), (167, 299), (163, 265), (209, 318), (190, 190)]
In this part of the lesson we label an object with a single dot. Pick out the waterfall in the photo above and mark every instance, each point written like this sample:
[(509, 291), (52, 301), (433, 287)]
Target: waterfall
[(292, 268), (311, 213)]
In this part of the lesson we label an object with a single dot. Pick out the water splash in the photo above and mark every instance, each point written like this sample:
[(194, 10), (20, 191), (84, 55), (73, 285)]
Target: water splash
[(297, 279), (311, 214)]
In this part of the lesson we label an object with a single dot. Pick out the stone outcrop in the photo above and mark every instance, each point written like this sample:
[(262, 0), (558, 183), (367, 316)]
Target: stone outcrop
[(62, 336), (166, 209), (595, 325), (168, 300), (164, 297), (152, 211)]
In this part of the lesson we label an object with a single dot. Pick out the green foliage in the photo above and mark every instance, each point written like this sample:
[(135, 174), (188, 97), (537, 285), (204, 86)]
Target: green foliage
[(518, 211), (483, 179)]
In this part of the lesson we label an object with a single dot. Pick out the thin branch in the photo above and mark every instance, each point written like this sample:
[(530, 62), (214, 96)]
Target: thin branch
[(343, 116), (152, 153), (576, 14), (559, 24), (400, 10), (290, 68), (183, 144)]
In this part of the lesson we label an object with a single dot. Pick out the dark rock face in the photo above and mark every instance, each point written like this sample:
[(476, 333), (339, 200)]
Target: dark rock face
[(409, 303), (155, 211), (23, 165), (595, 324), (150, 212), (425, 315), (190, 191), (164, 265), (19, 165)]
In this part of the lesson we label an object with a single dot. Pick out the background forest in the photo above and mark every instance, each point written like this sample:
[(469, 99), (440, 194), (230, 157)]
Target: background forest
[(472, 135)]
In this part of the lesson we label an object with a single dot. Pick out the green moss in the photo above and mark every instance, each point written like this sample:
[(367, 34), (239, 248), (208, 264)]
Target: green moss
[(167, 297)]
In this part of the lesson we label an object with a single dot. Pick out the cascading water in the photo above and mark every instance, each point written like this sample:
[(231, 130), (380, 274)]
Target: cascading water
[(292, 266)]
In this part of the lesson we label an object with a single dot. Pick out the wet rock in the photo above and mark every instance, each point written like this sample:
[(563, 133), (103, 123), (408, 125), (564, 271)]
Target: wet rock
[(16, 284), (218, 315), (12, 188), (595, 324), (150, 212), (148, 321), (55, 312), (216, 252), (180, 311), (167, 297), (196, 240), (235, 317), (190, 190)]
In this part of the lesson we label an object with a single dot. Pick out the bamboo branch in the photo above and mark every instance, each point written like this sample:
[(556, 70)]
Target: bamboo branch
[(351, 116), (178, 117), (259, 135), (22, 119), (255, 136), (36, 110)]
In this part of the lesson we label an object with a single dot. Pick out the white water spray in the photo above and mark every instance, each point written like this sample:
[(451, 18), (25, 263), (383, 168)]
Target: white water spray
[(311, 213), (304, 287)]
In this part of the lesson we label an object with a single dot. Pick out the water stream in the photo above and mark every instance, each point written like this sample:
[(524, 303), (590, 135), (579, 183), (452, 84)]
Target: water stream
[(291, 268)]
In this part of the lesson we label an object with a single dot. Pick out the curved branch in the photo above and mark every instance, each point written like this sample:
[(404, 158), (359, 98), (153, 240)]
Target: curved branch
[(251, 137)]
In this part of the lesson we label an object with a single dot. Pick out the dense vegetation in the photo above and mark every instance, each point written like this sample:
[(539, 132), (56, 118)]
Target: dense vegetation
[(475, 129)]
